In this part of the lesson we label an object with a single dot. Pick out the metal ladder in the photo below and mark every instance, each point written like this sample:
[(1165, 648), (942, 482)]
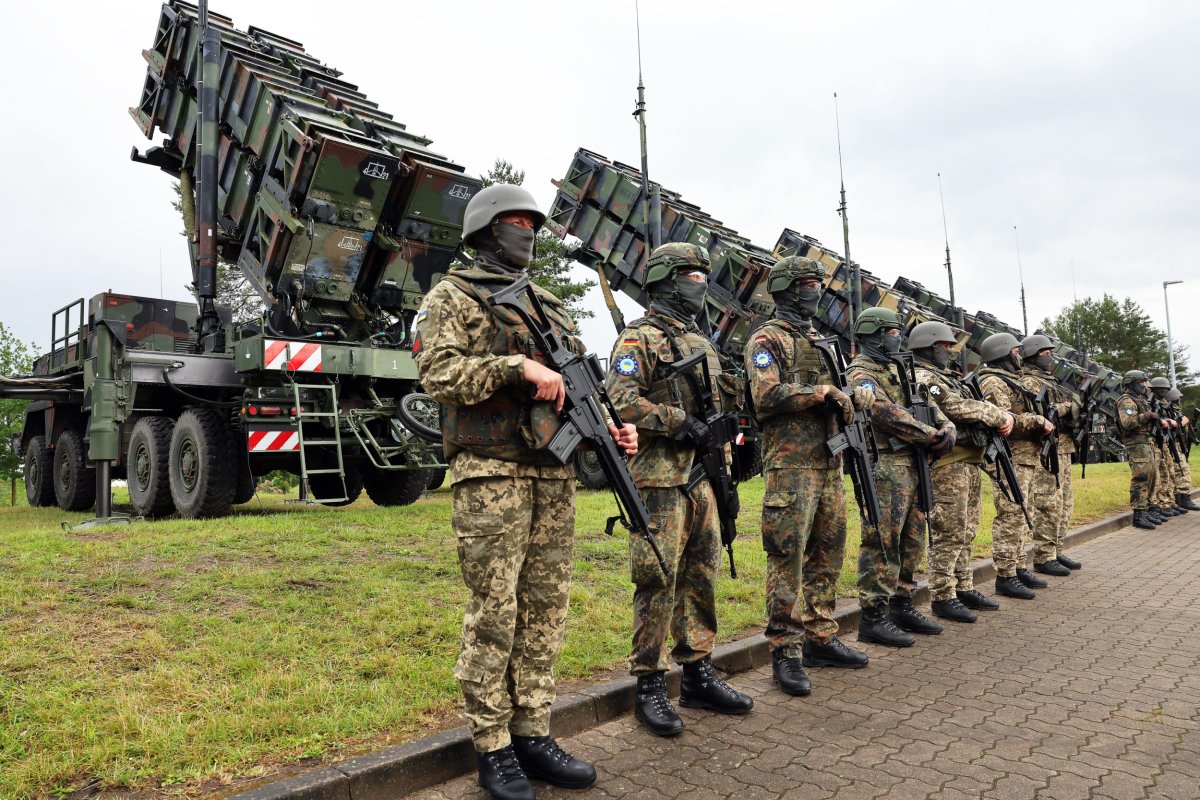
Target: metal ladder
[(317, 391)]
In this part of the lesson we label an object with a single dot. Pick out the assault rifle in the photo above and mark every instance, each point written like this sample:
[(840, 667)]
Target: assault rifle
[(1083, 436), (582, 417), (853, 438), (1166, 435), (1049, 453), (997, 453), (916, 399), (720, 429)]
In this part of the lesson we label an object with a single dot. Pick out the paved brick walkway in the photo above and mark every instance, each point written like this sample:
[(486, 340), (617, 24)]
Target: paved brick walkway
[(1090, 691)]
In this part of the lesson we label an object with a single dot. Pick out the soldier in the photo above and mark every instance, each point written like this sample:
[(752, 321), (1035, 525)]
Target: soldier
[(999, 380), (514, 503), (956, 477), (1136, 424), (1066, 449), (1183, 475), (887, 560), (650, 394), (1163, 499), (1037, 376), (804, 505)]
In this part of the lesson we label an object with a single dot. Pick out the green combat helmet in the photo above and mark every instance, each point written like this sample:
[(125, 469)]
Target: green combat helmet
[(1133, 376), (791, 269), (876, 319), (1160, 383), (997, 346), (1032, 345), (667, 258), (497, 199), (927, 334), (1174, 396)]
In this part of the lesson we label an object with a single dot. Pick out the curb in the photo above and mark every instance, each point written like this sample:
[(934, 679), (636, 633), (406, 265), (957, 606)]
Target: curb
[(403, 769)]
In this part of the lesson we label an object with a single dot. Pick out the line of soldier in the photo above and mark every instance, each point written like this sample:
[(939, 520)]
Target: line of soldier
[(513, 501), (1157, 438)]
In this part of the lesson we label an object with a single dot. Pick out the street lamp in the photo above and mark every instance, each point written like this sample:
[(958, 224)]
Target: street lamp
[(1170, 347)]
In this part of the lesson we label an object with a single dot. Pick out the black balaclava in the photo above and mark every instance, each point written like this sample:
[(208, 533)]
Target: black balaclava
[(1044, 363), (1161, 394), (878, 346), (1138, 388), (504, 248), (938, 356), (797, 304), (685, 300), (1011, 362)]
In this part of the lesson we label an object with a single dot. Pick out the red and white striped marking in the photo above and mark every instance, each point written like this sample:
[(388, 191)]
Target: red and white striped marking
[(275, 353), (292, 356), (272, 441)]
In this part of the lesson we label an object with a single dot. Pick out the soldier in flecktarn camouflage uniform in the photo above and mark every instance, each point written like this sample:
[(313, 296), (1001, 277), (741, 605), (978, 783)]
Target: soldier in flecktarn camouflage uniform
[(648, 392), (1165, 492), (514, 503), (1136, 424), (804, 507), (1050, 488), (1183, 471), (956, 476), (887, 560)]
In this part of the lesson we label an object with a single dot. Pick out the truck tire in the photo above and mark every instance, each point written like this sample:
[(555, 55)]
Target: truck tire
[(436, 478), (330, 485), (203, 481), (74, 480), (394, 487), (588, 470), (39, 473), (146, 467), (247, 484), (419, 413)]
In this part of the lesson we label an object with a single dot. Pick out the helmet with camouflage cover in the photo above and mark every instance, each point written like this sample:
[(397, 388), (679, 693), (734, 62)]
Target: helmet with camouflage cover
[(667, 258), (791, 269), (1160, 382), (997, 346), (929, 333), (875, 319), (1133, 376), (497, 199), (1032, 345)]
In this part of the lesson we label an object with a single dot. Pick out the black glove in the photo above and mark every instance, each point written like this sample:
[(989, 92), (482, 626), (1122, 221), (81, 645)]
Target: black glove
[(943, 443), (694, 430)]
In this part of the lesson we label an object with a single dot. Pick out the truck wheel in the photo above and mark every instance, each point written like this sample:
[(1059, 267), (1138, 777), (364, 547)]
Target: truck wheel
[(329, 485), (588, 470), (39, 473), (247, 484), (202, 452), (436, 478), (146, 467), (74, 480), (395, 487)]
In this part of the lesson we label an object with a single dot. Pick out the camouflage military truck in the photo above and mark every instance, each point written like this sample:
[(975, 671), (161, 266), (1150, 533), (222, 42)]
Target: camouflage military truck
[(338, 216)]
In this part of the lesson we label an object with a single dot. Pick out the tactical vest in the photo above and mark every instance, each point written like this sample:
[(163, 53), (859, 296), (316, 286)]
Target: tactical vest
[(509, 425), (805, 365), (791, 439), (970, 434), (1144, 429), (668, 387), (1024, 406)]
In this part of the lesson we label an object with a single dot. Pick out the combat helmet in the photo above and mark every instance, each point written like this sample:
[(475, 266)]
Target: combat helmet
[(1134, 375), (875, 319), (1160, 383), (1032, 345), (997, 346), (497, 199), (667, 258), (791, 269), (1174, 395), (929, 333)]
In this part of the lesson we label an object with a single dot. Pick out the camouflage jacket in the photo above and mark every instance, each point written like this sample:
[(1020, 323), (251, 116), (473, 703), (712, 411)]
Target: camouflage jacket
[(1071, 416), (1133, 426), (968, 414), (784, 370), (458, 363), (891, 422), (647, 393), (1034, 380), (1004, 389)]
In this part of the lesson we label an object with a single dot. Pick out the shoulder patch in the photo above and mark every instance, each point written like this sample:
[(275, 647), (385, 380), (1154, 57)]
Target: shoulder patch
[(626, 365), (868, 385), (629, 342), (762, 358), (421, 315), (935, 390), (1130, 411)]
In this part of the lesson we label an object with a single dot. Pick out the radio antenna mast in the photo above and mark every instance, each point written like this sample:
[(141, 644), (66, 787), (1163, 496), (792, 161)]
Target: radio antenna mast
[(1021, 274), (851, 267)]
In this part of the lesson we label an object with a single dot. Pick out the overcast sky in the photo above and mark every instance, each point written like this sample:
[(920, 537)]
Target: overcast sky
[(1077, 122)]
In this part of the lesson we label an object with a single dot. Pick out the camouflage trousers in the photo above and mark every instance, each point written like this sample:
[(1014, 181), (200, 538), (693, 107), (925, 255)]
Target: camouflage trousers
[(804, 535), (957, 504), (887, 560), (1183, 475), (515, 538), (684, 605), (1067, 507), (1143, 474), (1164, 481), (1008, 528), (1046, 511)]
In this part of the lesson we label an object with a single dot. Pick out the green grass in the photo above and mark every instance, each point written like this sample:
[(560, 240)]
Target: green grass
[(177, 656)]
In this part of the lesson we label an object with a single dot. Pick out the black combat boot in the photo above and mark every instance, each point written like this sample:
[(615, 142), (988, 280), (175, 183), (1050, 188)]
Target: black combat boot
[(1141, 519), (1154, 517), (1052, 567), (1181, 510), (1184, 500), (703, 688), (501, 776), (790, 675), (952, 610), (876, 626), (653, 708), (909, 619), (542, 758), (1164, 512), (833, 653), (1012, 587), (1068, 562), (977, 601), (1029, 579)]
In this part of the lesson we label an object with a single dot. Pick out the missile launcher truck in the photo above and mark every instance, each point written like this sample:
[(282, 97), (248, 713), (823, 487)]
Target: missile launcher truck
[(341, 220)]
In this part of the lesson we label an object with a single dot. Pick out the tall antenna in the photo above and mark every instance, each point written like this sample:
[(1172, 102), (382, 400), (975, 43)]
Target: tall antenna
[(1075, 312), (1021, 274), (852, 268), (653, 214), (958, 314)]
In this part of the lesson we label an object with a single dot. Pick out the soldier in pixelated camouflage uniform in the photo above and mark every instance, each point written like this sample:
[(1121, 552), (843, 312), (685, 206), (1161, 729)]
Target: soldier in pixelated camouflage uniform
[(804, 505), (1052, 488), (514, 503), (887, 559), (1136, 423), (1183, 473), (956, 478), (1169, 470), (647, 392), (1000, 383)]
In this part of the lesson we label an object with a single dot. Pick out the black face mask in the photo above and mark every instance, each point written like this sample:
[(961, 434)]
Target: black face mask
[(878, 347), (797, 304), (1161, 394), (1138, 389), (1044, 363), (942, 357), (691, 294), (1014, 363), (680, 298), (515, 243)]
